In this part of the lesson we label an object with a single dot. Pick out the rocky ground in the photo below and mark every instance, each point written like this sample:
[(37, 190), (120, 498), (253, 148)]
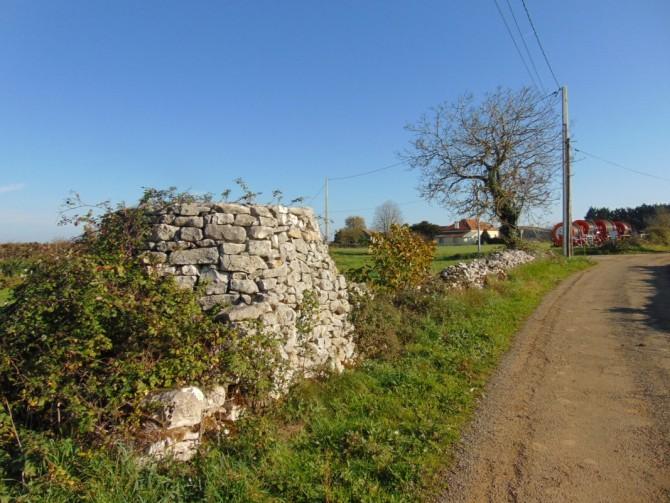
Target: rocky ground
[(474, 273)]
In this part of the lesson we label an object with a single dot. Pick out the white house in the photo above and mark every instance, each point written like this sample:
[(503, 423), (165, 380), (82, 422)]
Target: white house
[(464, 232)]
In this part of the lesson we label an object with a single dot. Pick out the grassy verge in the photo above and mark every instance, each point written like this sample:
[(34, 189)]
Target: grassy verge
[(351, 258), (5, 295), (379, 432)]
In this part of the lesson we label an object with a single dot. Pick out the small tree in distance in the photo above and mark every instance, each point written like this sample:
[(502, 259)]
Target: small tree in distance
[(496, 157), (353, 233), (426, 229), (386, 215)]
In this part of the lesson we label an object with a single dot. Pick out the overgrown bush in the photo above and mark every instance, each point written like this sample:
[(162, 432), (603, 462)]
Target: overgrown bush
[(86, 340), (92, 331), (378, 324), (401, 259)]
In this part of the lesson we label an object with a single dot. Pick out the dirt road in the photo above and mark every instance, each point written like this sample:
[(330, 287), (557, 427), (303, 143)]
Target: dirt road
[(579, 410)]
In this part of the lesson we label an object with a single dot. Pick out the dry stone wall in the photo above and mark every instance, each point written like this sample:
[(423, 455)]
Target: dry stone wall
[(257, 263)]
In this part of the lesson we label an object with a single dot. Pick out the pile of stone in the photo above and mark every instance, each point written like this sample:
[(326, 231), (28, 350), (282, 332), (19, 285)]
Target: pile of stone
[(256, 262), (179, 418), (474, 274)]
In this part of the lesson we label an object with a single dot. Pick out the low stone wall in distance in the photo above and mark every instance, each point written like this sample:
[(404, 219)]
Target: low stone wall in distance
[(256, 263)]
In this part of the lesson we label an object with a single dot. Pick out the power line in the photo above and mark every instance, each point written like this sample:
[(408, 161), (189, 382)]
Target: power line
[(316, 194), (602, 159), (523, 40), (347, 177), (516, 46), (537, 37)]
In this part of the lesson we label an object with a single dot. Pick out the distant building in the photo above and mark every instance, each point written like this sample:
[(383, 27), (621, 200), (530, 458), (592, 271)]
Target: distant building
[(464, 232)]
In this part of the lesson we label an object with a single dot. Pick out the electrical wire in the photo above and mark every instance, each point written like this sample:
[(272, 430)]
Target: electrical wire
[(523, 40), (364, 173), (316, 194), (620, 166), (516, 46), (537, 37)]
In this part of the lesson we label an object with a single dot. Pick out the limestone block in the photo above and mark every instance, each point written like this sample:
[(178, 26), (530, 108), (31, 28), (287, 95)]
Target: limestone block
[(246, 312), (285, 314), (166, 219), (191, 209), (221, 218), (294, 233), (245, 220), (267, 284), (243, 286), (216, 288), (189, 221), (260, 211), (223, 300), (163, 232), (190, 234), (259, 247), (232, 248), (205, 243), (213, 276), (268, 221), (300, 246), (194, 256), (287, 250), (235, 209), (260, 232), (227, 233), (276, 272), (178, 408), (187, 282), (242, 263), (189, 270)]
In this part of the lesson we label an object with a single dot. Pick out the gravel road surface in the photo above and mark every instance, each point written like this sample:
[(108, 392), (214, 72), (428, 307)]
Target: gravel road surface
[(579, 410)]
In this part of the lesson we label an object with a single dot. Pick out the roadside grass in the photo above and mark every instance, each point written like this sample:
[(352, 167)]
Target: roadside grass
[(352, 258), (627, 247), (5, 296), (379, 432)]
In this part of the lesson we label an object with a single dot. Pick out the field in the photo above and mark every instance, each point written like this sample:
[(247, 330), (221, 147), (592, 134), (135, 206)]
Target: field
[(351, 258)]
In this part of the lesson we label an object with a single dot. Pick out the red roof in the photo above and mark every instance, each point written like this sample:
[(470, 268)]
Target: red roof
[(464, 226)]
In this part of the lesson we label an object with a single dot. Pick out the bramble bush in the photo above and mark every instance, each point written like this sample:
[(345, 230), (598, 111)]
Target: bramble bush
[(401, 259), (92, 331)]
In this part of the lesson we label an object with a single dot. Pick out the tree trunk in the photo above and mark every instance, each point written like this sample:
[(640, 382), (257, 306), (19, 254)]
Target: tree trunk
[(509, 229)]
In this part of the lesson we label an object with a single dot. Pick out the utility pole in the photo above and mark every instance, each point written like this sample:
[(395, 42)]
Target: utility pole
[(567, 196), (325, 194)]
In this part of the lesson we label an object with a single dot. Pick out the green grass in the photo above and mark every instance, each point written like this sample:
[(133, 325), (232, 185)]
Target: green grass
[(383, 431), (5, 295), (351, 258)]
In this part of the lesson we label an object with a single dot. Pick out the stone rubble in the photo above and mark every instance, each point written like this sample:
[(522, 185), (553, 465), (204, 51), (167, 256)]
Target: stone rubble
[(177, 420), (474, 273)]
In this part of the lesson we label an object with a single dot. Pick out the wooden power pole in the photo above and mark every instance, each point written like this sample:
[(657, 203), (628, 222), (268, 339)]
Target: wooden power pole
[(567, 179)]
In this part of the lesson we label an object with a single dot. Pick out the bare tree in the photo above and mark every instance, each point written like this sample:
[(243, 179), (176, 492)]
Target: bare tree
[(497, 157), (386, 215)]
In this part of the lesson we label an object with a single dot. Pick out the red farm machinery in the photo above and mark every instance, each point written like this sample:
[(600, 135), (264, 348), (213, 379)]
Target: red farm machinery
[(593, 233)]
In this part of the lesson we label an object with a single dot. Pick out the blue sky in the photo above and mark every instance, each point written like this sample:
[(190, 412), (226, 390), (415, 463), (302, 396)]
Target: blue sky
[(106, 97)]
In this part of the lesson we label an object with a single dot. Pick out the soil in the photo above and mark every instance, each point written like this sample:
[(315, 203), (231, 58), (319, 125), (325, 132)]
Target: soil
[(579, 410)]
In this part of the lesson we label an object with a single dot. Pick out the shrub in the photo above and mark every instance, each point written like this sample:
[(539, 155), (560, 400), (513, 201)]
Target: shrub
[(86, 340), (377, 325), (401, 259)]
